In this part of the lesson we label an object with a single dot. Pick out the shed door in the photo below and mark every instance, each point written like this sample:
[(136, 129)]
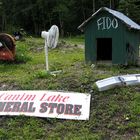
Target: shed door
[(104, 48)]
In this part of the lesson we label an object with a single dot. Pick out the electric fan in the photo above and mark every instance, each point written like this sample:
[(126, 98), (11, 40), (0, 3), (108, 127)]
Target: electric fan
[(51, 40)]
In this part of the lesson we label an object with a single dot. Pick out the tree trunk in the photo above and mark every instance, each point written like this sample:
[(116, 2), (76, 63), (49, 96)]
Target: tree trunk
[(50, 20), (94, 6), (112, 4), (61, 26), (3, 27)]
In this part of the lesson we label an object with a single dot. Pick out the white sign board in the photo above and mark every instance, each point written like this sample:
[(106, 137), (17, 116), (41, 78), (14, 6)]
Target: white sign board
[(45, 104)]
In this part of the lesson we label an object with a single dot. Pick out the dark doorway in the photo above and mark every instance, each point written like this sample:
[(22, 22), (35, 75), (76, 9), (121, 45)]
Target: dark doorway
[(104, 48)]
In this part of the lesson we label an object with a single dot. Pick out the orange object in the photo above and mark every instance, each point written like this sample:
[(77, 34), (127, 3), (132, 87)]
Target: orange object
[(5, 55), (7, 48)]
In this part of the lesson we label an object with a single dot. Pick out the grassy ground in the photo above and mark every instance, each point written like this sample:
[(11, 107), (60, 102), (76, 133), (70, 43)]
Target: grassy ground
[(114, 114), (79, 40)]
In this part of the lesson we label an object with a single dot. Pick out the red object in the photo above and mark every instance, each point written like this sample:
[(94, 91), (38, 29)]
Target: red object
[(5, 55), (7, 50)]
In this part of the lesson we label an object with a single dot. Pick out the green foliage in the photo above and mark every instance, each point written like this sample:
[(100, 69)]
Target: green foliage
[(42, 74), (131, 8), (21, 53), (35, 16), (24, 129)]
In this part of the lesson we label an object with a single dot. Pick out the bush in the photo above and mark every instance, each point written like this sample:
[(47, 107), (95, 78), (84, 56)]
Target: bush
[(21, 54)]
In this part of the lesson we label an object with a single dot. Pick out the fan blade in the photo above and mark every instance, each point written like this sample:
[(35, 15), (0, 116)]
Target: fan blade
[(53, 36)]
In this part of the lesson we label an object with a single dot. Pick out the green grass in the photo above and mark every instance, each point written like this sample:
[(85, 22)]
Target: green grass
[(114, 114), (78, 40)]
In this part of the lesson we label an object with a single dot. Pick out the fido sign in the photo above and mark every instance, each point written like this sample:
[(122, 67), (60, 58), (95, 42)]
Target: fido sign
[(105, 23), (45, 104)]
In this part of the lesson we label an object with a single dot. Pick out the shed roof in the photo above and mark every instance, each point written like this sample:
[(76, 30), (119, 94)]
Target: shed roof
[(119, 15)]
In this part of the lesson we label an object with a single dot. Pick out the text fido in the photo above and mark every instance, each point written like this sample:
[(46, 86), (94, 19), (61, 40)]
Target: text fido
[(105, 23)]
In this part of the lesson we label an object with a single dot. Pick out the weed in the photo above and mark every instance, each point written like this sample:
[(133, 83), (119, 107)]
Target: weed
[(42, 74), (21, 54)]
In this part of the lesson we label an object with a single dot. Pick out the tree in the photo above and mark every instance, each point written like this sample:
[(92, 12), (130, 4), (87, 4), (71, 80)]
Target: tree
[(131, 8), (64, 13), (114, 4), (37, 15)]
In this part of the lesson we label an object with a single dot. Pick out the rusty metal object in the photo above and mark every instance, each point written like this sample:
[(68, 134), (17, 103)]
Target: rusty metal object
[(7, 47)]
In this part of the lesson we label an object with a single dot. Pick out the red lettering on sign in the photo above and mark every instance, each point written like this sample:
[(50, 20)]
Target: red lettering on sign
[(17, 97), (54, 98)]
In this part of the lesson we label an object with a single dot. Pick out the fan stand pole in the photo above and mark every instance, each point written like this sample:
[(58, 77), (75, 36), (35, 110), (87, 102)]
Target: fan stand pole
[(46, 54)]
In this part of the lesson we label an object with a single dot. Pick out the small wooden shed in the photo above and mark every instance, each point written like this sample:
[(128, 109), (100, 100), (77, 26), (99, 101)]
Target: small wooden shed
[(111, 36)]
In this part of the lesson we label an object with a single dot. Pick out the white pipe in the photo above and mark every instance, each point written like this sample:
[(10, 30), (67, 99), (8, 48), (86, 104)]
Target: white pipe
[(46, 55), (45, 35)]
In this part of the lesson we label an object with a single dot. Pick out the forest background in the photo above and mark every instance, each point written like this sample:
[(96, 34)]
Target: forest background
[(37, 15)]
